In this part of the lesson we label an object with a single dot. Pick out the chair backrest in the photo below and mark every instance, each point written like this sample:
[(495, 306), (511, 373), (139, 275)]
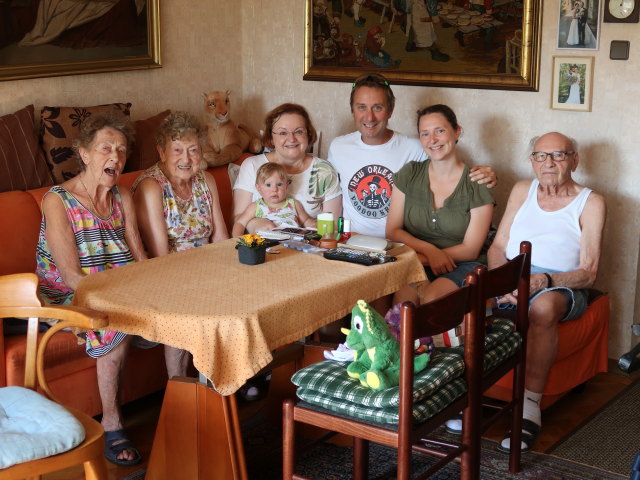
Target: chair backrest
[(19, 298), (508, 277), (430, 319)]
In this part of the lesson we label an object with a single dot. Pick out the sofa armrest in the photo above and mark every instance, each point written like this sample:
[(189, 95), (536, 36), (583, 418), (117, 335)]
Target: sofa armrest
[(3, 366)]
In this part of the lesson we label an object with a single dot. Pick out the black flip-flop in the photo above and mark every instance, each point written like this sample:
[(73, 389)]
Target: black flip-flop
[(249, 392), (529, 436), (112, 449)]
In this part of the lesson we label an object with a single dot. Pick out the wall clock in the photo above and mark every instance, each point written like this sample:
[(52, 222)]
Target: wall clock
[(622, 11)]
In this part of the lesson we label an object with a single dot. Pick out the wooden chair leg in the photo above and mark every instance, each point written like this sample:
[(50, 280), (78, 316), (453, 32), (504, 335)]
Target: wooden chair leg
[(96, 469), (404, 462), (470, 458), (360, 459), (288, 441), (516, 417)]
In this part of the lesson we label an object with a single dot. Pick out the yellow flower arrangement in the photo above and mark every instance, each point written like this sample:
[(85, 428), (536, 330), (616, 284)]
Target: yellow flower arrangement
[(250, 240)]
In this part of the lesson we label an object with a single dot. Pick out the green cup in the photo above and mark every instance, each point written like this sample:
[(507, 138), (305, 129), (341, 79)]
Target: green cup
[(325, 224)]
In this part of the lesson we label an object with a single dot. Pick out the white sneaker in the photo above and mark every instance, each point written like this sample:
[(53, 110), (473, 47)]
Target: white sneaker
[(454, 425)]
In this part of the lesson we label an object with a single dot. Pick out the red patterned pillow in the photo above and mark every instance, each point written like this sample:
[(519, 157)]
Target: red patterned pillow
[(22, 163), (144, 152), (59, 126)]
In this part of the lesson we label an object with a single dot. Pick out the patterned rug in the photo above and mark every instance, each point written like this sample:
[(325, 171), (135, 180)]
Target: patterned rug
[(619, 423), (330, 462)]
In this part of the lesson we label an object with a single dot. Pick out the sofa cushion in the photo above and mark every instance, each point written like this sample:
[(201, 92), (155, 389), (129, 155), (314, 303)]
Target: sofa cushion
[(58, 128), (19, 225), (144, 152), (63, 352), (22, 163), (33, 427)]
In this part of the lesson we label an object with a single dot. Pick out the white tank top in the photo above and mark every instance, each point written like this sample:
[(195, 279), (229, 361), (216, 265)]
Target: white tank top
[(554, 236)]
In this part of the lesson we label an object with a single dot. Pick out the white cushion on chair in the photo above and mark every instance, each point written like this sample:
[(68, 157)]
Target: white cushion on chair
[(33, 427)]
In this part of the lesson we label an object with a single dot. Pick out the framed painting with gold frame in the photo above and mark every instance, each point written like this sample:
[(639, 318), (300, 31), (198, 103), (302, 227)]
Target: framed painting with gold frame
[(572, 83), (441, 43), (44, 38)]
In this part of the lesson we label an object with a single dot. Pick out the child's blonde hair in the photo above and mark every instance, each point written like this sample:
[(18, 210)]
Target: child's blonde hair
[(268, 169)]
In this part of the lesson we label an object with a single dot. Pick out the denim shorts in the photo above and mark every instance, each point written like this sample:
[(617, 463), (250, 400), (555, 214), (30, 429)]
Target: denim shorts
[(576, 301), (457, 276)]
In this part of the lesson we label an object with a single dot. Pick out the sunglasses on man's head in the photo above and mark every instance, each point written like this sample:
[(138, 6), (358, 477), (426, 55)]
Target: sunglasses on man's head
[(370, 78)]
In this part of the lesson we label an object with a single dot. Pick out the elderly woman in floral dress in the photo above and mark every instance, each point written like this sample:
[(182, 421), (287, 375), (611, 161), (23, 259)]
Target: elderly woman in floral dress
[(89, 225), (177, 204)]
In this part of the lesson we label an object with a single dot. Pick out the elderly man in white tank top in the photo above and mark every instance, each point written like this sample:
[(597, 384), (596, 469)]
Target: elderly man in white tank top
[(563, 220)]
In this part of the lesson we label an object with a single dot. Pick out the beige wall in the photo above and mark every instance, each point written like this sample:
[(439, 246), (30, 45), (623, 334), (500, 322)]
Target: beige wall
[(255, 48), (497, 125)]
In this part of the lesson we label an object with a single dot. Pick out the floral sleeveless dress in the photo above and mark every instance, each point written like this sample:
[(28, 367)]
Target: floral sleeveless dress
[(189, 222), (100, 244)]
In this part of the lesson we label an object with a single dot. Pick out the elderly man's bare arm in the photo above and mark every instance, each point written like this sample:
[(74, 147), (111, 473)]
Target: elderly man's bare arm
[(592, 224), (496, 255)]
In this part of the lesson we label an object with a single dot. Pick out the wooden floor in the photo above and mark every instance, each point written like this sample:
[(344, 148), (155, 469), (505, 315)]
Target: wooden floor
[(558, 420)]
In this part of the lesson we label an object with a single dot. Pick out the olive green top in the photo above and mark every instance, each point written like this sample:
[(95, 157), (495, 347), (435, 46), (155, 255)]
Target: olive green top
[(446, 226)]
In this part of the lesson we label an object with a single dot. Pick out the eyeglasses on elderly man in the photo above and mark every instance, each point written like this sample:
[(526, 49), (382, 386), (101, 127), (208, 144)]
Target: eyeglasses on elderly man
[(559, 156)]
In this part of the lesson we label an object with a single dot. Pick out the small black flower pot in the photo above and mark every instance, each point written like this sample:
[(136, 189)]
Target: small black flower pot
[(251, 256)]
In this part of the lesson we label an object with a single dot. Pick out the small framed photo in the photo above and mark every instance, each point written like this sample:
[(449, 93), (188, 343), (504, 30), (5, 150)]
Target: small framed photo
[(572, 83), (579, 24)]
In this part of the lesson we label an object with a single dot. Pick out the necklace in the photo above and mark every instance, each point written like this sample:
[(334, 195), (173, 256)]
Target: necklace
[(95, 209)]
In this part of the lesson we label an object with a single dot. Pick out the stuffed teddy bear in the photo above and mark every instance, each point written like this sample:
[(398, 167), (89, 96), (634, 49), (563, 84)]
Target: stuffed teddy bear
[(377, 352), (225, 141)]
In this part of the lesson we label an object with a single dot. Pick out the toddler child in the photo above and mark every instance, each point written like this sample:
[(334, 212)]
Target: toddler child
[(271, 183)]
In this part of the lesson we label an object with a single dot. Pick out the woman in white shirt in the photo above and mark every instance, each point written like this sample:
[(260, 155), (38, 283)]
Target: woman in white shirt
[(314, 181)]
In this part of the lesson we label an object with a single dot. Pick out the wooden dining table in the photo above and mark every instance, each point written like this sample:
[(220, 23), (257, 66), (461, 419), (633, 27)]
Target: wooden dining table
[(232, 318)]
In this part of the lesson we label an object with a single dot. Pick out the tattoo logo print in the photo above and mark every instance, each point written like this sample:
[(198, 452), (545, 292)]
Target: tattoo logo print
[(370, 191)]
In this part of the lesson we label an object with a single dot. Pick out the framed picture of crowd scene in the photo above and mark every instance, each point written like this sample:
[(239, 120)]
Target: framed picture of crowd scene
[(572, 83), (44, 38), (491, 44)]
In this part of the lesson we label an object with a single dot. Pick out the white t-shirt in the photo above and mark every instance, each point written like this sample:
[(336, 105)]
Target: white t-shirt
[(316, 185), (366, 177)]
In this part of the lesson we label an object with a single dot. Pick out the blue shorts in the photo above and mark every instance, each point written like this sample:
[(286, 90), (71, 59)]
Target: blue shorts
[(577, 299), (457, 276)]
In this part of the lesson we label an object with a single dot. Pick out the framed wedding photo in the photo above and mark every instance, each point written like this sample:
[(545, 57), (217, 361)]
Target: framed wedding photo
[(579, 24), (572, 83)]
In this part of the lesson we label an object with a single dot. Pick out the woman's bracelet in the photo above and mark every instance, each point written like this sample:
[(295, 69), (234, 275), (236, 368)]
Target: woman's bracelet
[(549, 281)]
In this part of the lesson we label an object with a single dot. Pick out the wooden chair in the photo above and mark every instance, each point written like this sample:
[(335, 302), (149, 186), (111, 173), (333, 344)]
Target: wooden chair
[(430, 319), (513, 275), (19, 298)]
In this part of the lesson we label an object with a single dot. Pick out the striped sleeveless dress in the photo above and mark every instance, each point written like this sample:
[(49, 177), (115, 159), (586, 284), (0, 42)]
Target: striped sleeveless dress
[(100, 244)]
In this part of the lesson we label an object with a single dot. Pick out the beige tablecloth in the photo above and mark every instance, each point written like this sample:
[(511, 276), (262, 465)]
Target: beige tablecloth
[(231, 316)]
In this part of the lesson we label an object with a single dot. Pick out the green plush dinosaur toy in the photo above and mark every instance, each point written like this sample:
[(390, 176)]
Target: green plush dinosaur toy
[(377, 352)]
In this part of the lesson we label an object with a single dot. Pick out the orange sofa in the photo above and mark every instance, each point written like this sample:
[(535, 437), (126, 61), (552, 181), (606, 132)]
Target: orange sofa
[(582, 353), (72, 373)]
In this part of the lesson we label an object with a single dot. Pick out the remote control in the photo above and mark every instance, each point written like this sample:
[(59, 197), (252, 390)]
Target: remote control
[(357, 256)]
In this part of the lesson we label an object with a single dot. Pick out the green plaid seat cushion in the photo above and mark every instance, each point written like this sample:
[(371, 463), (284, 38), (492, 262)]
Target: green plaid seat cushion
[(329, 378), (500, 329), (422, 410), (500, 344)]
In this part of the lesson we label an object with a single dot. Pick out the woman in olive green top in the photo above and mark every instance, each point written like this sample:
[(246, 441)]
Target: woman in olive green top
[(438, 211)]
